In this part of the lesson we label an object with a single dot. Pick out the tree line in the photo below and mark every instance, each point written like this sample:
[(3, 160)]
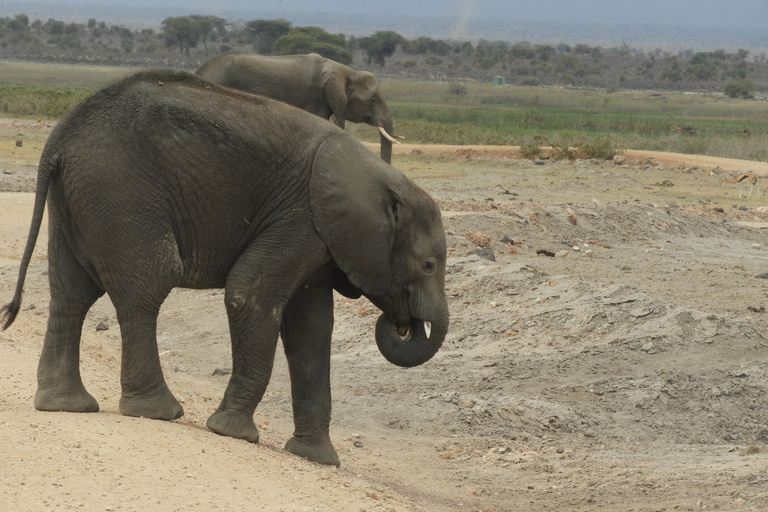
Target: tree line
[(524, 63)]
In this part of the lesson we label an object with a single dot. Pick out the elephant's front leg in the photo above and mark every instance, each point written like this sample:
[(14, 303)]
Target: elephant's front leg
[(257, 289), (306, 331)]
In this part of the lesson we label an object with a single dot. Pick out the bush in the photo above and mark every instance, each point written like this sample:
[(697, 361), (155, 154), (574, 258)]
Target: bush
[(530, 81), (742, 88), (457, 88), (603, 148)]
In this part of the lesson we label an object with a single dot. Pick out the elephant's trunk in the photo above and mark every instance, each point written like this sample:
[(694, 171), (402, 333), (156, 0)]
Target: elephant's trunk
[(417, 347), (386, 143)]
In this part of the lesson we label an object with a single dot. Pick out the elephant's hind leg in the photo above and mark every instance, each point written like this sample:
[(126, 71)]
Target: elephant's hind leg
[(73, 292), (144, 390), (306, 332)]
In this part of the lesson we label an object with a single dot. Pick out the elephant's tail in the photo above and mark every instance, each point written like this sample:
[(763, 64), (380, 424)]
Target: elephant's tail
[(9, 311)]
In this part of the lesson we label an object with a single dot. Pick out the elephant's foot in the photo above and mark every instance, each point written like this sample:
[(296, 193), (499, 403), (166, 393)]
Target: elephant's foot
[(69, 400), (157, 406), (321, 452), (234, 424)]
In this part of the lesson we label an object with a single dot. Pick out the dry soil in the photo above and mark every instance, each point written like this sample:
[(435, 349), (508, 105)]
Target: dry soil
[(607, 352)]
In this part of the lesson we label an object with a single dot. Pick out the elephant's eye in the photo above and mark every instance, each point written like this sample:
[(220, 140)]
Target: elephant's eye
[(430, 266)]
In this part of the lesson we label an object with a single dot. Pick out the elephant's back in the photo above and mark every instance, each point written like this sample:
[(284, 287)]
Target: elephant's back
[(166, 129), (293, 79)]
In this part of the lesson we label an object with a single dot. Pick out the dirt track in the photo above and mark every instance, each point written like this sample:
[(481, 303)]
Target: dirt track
[(612, 357)]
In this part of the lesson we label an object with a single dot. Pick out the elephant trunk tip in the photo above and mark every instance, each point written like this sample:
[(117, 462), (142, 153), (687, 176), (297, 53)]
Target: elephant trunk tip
[(412, 345)]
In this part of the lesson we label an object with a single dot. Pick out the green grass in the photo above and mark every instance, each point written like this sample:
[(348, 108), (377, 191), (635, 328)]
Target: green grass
[(49, 90), (487, 114), (428, 113), (43, 102)]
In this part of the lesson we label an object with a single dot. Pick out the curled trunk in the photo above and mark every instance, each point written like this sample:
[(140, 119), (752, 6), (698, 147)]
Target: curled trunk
[(417, 347)]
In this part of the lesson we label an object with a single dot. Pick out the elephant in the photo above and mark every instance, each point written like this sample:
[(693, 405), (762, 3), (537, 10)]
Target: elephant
[(163, 180), (313, 83)]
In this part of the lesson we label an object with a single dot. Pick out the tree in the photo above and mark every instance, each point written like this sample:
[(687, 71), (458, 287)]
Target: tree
[(302, 40), (182, 31), (741, 88), (380, 46), (264, 33), (204, 25), (426, 45)]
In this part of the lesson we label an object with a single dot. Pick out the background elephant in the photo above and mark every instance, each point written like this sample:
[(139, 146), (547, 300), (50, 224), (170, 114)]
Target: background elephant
[(315, 84), (165, 180)]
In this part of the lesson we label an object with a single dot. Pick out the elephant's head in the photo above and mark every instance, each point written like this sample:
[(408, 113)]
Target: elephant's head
[(387, 238), (356, 96)]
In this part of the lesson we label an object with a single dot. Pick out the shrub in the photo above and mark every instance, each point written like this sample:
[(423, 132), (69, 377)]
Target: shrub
[(530, 81), (603, 148), (741, 88), (457, 88)]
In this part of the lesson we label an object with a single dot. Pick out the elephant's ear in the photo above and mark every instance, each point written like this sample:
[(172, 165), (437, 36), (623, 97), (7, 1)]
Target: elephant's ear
[(355, 212), (336, 83)]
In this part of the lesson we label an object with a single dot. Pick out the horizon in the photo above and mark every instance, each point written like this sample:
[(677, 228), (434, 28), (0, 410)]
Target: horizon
[(685, 13)]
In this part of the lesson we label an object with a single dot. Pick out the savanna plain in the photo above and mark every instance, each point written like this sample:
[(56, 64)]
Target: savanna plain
[(607, 349)]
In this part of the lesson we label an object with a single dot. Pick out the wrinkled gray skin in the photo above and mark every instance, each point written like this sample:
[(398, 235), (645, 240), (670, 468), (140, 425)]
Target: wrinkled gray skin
[(164, 180), (315, 84)]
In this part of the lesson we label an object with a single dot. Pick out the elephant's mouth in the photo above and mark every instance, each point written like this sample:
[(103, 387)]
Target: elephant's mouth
[(405, 331)]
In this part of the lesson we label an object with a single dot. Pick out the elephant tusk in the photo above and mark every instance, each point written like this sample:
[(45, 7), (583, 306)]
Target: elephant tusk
[(428, 328), (387, 136)]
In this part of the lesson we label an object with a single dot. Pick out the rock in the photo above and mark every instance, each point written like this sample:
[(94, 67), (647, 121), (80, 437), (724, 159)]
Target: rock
[(222, 371), (102, 326), (485, 253), (19, 143), (589, 253), (619, 160), (561, 254), (538, 161)]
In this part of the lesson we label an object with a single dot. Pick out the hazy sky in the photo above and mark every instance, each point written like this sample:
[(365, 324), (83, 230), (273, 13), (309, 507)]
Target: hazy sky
[(701, 13)]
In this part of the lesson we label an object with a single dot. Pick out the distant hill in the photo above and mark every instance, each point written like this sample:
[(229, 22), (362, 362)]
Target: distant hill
[(645, 37)]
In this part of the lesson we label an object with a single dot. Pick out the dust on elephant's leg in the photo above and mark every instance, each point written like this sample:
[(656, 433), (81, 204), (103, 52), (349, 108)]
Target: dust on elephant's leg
[(306, 331), (73, 292), (144, 390)]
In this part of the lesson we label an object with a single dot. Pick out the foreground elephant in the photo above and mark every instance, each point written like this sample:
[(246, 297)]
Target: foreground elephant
[(318, 85), (165, 180)]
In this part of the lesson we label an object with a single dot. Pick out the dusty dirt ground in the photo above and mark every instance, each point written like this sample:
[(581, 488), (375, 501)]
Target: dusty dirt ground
[(612, 356)]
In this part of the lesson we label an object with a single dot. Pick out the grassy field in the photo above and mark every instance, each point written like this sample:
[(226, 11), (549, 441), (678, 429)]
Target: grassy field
[(49, 90), (427, 112)]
